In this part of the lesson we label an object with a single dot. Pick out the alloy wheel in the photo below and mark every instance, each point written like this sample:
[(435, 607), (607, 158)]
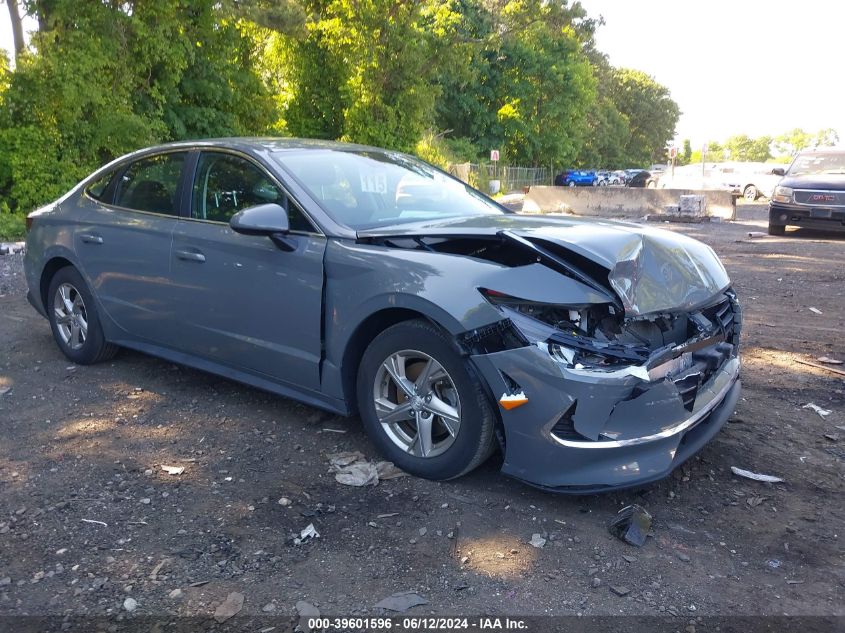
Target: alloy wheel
[(71, 316), (417, 403)]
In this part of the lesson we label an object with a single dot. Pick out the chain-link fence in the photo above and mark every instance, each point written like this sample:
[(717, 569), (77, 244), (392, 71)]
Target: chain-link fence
[(484, 176)]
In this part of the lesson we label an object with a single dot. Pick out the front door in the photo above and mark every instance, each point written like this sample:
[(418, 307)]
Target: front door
[(242, 301)]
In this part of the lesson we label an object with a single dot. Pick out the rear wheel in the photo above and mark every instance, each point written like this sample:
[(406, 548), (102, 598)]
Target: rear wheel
[(74, 320), (750, 193), (777, 229), (422, 404), (570, 184)]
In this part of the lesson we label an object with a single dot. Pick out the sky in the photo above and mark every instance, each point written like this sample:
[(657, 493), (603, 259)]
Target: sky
[(734, 67)]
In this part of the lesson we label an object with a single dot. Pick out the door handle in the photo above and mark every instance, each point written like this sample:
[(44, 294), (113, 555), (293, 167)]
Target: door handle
[(91, 238), (190, 256)]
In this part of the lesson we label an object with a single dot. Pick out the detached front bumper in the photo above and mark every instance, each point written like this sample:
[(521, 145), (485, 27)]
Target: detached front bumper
[(639, 431)]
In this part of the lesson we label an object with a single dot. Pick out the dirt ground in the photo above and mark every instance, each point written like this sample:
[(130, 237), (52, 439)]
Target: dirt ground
[(89, 519)]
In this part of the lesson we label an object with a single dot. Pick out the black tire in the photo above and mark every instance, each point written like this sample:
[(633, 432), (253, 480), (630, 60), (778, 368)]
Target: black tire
[(474, 441), (777, 229), (95, 348), (570, 184), (750, 193)]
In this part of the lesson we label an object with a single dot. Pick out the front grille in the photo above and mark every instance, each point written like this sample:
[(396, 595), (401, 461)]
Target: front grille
[(688, 389), (564, 428), (820, 198)]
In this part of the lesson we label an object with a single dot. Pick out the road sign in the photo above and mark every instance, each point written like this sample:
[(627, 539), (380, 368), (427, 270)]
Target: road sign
[(494, 155), (673, 152)]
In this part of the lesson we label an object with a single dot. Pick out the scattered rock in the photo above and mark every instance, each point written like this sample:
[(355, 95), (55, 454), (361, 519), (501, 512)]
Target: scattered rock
[(620, 590), (176, 593), (130, 604), (268, 608), (401, 601), (233, 603), (682, 557), (537, 541), (595, 582), (284, 501)]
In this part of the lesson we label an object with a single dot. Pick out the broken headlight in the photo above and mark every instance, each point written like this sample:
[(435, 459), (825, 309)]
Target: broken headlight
[(575, 336)]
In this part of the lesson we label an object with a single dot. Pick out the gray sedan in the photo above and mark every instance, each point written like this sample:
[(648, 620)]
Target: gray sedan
[(593, 354)]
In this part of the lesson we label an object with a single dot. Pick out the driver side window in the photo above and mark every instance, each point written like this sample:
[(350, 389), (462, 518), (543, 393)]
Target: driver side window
[(225, 184)]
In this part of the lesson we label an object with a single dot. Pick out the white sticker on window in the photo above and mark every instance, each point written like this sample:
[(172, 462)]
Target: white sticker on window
[(374, 182)]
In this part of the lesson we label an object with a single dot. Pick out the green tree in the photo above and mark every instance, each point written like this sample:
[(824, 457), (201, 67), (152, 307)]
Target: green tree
[(793, 141), (651, 113), (744, 148), (686, 152)]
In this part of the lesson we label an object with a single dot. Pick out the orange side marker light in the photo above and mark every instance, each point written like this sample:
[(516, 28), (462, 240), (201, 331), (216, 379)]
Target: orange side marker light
[(513, 400)]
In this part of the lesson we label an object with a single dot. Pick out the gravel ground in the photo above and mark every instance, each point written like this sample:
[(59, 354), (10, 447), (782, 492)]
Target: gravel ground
[(88, 518)]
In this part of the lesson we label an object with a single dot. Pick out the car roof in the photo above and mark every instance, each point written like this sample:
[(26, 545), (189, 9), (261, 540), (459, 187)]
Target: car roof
[(267, 143)]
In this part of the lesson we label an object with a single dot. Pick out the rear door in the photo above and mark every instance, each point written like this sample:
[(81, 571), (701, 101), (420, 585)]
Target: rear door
[(242, 301), (124, 243)]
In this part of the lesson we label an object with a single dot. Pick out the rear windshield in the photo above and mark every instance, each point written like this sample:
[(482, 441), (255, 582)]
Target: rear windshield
[(368, 188)]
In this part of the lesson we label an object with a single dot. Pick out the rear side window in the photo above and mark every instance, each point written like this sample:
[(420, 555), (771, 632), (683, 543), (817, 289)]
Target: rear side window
[(98, 188), (225, 184), (152, 184)]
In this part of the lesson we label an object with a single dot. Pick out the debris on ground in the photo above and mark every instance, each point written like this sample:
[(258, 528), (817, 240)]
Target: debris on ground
[(401, 601), (739, 472), (173, 470), (834, 370), (815, 310), (620, 590), (284, 502), (829, 361), (631, 524), (537, 541), (233, 603), (823, 413), (309, 532), (353, 469), (130, 604), (753, 234)]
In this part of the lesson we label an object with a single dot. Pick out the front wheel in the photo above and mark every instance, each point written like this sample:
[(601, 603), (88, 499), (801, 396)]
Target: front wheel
[(422, 404), (570, 184), (777, 229), (750, 193), (74, 319)]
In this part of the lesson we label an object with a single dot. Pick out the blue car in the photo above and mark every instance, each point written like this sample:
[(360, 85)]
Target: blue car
[(576, 178)]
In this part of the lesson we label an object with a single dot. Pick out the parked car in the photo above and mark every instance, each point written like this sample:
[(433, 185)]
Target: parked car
[(749, 179), (595, 355), (811, 193), (641, 178), (576, 178), (605, 178)]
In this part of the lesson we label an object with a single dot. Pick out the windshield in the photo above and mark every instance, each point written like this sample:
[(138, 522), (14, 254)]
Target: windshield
[(368, 188), (820, 163)]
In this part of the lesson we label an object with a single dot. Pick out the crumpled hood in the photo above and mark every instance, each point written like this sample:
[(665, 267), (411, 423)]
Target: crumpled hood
[(651, 270)]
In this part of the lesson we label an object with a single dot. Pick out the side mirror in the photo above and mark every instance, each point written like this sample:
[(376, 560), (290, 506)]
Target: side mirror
[(263, 219), (778, 171)]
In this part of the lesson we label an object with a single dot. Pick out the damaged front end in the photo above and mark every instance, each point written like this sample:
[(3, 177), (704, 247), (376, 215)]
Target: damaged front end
[(616, 356), (593, 400)]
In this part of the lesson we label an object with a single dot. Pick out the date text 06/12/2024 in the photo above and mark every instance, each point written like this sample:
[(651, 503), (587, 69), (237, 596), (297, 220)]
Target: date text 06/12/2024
[(416, 624)]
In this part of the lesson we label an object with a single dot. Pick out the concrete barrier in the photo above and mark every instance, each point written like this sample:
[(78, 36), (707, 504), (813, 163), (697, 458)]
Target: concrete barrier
[(628, 202)]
